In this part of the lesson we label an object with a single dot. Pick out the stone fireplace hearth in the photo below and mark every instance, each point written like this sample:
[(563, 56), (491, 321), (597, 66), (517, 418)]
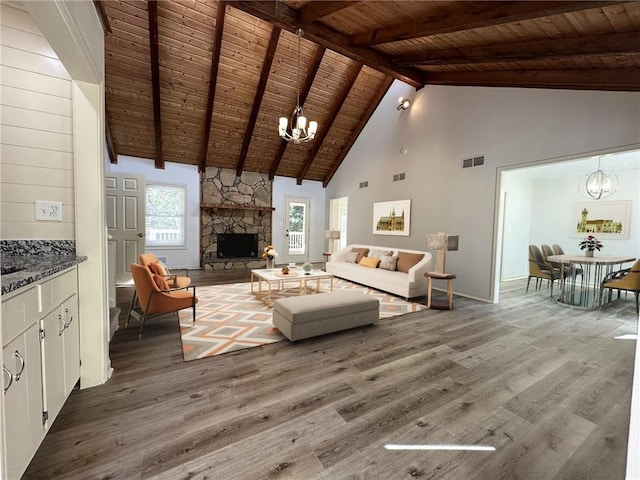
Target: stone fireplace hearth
[(233, 204)]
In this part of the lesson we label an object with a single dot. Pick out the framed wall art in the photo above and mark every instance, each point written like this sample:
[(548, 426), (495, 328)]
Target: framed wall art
[(602, 219), (392, 218)]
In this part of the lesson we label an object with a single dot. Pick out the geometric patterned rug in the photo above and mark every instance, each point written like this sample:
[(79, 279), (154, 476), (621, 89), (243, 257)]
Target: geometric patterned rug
[(229, 317)]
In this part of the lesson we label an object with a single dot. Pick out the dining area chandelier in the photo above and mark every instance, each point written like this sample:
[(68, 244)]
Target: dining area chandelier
[(296, 129), (599, 184)]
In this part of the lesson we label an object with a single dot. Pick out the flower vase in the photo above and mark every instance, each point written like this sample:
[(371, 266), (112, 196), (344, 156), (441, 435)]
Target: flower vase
[(271, 263), (588, 253)]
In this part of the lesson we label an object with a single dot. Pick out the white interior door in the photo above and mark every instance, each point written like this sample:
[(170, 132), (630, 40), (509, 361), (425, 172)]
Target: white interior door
[(125, 222), (296, 230)]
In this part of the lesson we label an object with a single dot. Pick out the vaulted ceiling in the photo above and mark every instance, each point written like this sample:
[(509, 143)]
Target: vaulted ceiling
[(204, 82)]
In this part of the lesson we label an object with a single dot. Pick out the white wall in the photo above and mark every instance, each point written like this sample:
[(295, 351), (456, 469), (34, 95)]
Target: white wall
[(509, 126), (286, 187), (172, 174), (36, 131)]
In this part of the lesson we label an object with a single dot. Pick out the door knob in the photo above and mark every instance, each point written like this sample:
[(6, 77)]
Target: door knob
[(141, 234)]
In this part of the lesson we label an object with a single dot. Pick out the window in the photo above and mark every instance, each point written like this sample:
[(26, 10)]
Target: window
[(165, 215)]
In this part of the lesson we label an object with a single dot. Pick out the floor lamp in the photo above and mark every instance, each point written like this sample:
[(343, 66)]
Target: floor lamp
[(331, 236), (441, 243)]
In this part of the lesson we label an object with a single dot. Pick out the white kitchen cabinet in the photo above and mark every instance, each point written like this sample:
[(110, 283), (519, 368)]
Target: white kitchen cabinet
[(40, 323), (71, 339), (23, 426)]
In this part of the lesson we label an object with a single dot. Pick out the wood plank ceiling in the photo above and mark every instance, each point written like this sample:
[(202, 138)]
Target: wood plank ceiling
[(204, 82)]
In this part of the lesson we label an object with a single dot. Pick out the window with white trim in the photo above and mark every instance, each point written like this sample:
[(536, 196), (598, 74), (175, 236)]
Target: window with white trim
[(165, 215)]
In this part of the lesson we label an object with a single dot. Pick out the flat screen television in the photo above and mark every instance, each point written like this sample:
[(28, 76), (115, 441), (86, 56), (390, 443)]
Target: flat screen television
[(237, 245)]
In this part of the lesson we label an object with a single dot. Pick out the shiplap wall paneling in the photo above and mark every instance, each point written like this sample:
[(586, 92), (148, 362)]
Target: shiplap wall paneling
[(36, 130)]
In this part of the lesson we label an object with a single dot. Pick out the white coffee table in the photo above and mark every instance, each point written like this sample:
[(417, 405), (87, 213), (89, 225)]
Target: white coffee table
[(276, 280)]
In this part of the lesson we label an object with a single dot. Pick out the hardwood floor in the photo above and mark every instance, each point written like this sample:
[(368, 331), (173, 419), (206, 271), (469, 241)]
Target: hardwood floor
[(548, 386)]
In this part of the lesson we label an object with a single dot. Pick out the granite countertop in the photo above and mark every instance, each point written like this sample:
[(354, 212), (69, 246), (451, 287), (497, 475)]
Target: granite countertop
[(22, 270)]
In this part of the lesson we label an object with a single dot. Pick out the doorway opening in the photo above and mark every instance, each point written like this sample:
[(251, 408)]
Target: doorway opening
[(296, 231), (338, 216)]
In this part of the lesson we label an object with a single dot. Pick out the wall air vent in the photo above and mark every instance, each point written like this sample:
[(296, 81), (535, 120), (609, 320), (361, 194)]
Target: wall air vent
[(473, 162), (364, 184), (399, 176)]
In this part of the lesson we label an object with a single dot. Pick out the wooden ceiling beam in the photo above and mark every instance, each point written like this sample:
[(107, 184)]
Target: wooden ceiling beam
[(308, 81), (547, 49), (614, 80), (380, 93), (286, 18), (469, 15), (313, 11), (152, 7), (104, 20), (213, 81), (324, 129), (257, 101), (111, 149)]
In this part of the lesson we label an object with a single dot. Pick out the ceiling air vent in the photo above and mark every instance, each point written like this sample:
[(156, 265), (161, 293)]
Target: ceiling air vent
[(364, 184), (399, 176), (467, 162), (478, 161)]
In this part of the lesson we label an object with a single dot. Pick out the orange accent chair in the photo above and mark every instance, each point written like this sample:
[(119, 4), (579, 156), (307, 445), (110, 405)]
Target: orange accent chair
[(156, 297), (156, 267), (627, 280), (150, 261)]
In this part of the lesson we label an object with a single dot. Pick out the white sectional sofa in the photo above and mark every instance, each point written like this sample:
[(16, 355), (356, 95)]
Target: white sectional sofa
[(408, 285)]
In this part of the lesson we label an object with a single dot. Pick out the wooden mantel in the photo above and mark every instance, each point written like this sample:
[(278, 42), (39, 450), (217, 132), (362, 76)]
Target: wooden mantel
[(219, 206)]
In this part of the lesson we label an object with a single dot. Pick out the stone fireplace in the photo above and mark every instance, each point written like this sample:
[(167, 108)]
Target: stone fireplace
[(233, 204)]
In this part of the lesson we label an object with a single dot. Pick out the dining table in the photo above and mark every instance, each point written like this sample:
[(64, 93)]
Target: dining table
[(587, 292)]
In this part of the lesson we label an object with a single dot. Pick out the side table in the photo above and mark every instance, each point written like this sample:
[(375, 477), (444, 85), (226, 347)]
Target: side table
[(440, 305)]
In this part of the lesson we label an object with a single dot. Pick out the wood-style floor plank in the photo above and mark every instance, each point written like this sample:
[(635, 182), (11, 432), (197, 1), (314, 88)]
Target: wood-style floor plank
[(548, 386)]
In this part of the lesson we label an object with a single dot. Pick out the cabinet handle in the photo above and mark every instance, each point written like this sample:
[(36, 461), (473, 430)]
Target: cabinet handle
[(7, 372), (21, 369), (65, 323), (69, 316)]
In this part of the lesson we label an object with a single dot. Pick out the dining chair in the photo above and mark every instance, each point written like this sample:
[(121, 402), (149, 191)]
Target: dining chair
[(539, 269), (575, 269), (156, 297), (627, 279)]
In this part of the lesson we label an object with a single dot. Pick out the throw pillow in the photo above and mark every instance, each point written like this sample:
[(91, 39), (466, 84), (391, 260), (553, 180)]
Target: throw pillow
[(407, 260), (351, 257), (379, 253), (369, 262), (155, 268), (362, 252), (164, 269), (160, 282), (388, 263)]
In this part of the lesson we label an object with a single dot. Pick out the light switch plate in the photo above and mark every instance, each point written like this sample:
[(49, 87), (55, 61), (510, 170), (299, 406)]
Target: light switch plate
[(48, 210)]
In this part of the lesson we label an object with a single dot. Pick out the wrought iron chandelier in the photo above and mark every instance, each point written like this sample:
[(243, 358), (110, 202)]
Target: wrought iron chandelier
[(599, 184), (296, 130)]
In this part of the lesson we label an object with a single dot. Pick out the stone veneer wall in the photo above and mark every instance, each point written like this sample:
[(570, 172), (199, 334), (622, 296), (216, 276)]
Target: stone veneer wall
[(222, 188)]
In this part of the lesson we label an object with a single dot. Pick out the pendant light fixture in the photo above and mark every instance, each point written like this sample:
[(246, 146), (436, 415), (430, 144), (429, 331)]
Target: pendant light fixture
[(599, 184), (296, 130)]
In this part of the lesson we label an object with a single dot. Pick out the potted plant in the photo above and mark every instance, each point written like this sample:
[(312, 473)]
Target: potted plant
[(590, 244), (269, 253)]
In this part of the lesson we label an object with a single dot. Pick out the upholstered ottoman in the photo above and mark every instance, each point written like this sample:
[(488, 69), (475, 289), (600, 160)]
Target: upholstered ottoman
[(310, 315)]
